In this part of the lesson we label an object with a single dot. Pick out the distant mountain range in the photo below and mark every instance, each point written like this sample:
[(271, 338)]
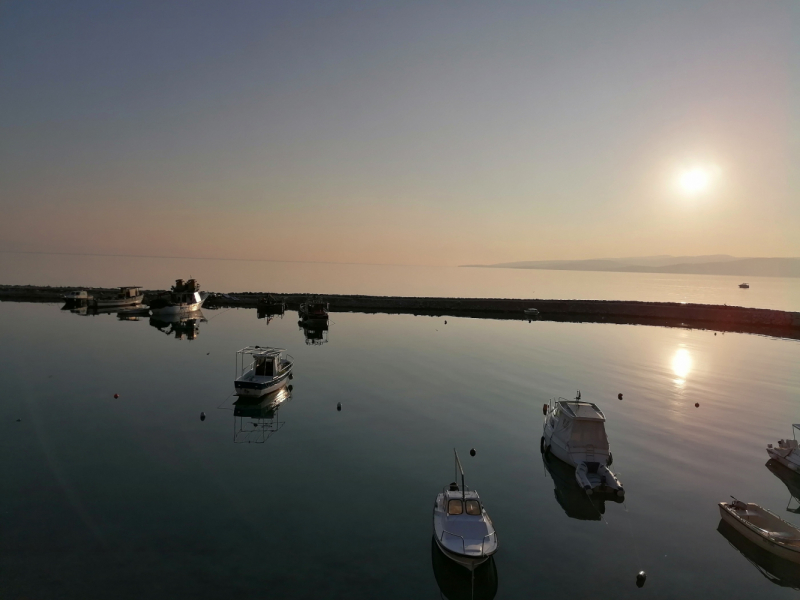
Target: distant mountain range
[(713, 264)]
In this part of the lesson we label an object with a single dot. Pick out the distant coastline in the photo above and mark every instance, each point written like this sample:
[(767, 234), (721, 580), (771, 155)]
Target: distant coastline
[(684, 265)]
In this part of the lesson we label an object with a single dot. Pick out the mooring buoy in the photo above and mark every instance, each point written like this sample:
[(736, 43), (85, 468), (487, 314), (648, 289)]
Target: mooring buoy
[(619, 395), (472, 452), (116, 395), (697, 405), (202, 416), (338, 406), (641, 577)]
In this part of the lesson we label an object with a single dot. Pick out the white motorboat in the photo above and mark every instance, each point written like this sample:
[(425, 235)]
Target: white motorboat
[(461, 526), (574, 431), (77, 296), (261, 370), (126, 296), (763, 528), (787, 453), (531, 313), (184, 297)]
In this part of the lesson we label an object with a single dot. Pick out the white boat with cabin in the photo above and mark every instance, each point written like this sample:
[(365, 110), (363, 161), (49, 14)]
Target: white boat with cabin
[(763, 528), (77, 296), (126, 296), (184, 297), (574, 432), (461, 526), (261, 370), (787, 453)]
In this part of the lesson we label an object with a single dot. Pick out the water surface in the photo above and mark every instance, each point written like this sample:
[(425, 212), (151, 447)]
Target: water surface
[(139, 496)]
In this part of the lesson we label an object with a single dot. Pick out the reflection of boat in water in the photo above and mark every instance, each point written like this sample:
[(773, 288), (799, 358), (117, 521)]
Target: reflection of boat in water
[(261, 369), (184, 297), (763, 528), (256, 419), (779, 571), (574, 431), (461, 526), (456, 584), (571, 497), (270, 305), (791, 480), (314, 332), (180, 325)]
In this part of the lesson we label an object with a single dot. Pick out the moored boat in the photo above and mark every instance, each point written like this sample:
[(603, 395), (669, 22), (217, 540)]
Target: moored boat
[(531, 313), (261, 370), (76, 297), (574, 432), (763, 528), (787, 453), (461, 526), (313, 309), (126, 296), (184, 297)]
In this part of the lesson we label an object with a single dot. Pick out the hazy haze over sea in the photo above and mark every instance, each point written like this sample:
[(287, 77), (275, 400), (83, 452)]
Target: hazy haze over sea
[(395, 280)]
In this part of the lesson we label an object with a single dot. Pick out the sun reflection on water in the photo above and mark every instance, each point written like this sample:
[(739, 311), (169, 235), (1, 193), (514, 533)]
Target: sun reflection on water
[(681, 365)]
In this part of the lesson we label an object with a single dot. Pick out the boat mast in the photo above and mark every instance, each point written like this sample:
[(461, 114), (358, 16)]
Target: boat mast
[(461, 469)]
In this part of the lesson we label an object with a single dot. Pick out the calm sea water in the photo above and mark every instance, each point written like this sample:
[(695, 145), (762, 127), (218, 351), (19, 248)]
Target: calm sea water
[(281, 277), (136, 497)]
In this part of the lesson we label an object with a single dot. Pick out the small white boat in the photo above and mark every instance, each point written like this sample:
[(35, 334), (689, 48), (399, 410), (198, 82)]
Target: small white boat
[(574, 431), (763, 528), (126, 296), (77, 296), (261, 370), (787, 453), (531, 312), (184, 297), (461, 527)]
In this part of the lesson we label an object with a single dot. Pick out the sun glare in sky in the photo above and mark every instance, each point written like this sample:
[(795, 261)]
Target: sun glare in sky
[(695, 180)]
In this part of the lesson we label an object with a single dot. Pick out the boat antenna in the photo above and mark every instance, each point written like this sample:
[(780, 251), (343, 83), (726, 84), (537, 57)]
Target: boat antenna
[(460, 468), (578, 397)]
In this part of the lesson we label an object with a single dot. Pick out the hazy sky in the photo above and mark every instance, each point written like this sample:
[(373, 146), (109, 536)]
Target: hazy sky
[(400, 132)]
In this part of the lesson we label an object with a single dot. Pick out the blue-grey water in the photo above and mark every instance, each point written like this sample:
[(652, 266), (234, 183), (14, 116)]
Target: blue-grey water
[(136, 497)]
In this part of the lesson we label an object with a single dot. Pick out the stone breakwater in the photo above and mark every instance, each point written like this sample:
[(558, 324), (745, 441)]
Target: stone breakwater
[(702, 316)]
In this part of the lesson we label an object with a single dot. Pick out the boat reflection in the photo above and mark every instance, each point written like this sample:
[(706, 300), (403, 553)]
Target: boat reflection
[(179, 325), (256, 419), (315, 332), (778, 570), (569, 495), (792, 482), (455, 582)]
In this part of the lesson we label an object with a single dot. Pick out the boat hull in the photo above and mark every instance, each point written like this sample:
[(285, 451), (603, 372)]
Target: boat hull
[(468, 562), (177, 309), (783, 459), (760, 540), (115, 302), (256, 389)]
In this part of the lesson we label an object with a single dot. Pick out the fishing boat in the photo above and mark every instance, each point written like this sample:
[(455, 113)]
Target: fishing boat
[(777, 570), (787, 453), (184, 297), (270, 305), (313, 309), (126, 296), (261, 370), (461, 526), (574, 432), (763, 528), (744, 286)]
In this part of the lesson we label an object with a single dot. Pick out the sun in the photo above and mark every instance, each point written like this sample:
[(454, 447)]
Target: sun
[(695, 181)]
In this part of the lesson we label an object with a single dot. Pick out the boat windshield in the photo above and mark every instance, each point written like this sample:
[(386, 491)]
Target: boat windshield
[(456, 507), (264, 367)]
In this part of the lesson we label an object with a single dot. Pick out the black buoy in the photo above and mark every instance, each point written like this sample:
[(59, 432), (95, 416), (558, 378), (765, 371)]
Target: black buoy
[(116, 395), (641, 577), (207, 353), (202, 416), (445, 322), (19, 420), (338, 406), (619, 395), (472, 452), (697, 405)]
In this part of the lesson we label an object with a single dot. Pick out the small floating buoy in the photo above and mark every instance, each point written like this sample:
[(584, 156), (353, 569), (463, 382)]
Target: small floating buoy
[(619, 395), (202, 416), (472, 452), (697, 405), (641, 577), (116, 395), (338, 406), (207, 353), (19, 420), (445, 322)]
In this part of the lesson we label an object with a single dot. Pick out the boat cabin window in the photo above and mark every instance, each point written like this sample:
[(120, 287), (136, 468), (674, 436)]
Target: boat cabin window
[(473, 507), (264, 367), (455, 507)]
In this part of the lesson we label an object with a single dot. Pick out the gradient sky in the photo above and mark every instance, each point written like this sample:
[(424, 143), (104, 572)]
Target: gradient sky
[(399, 132)]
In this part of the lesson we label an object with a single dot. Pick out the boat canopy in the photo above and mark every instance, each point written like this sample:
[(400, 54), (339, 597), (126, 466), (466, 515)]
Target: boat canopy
[(582, 410)]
